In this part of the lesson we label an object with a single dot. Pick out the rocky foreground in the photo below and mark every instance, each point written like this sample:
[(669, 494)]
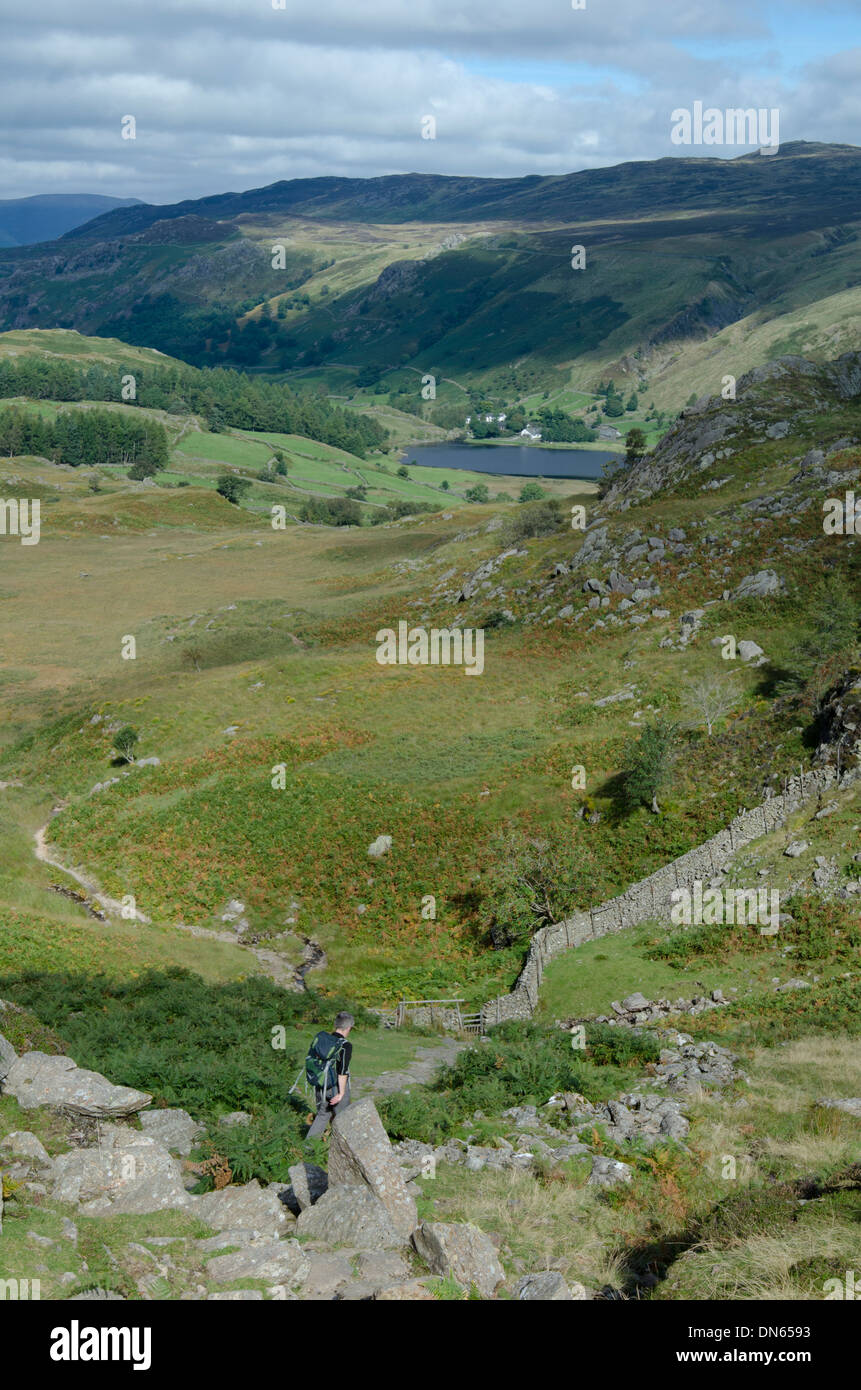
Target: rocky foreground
[(350, 1233)]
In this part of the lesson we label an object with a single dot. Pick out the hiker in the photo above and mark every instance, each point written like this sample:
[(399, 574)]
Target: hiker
[(327, 1069)]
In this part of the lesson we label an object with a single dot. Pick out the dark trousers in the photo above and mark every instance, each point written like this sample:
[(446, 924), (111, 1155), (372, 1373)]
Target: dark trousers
[(325, 1112)]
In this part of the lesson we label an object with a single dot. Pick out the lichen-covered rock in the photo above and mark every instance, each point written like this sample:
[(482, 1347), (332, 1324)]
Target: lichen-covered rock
[(350, 1216), (40, 1079), (360, 1153), (462, 1251)]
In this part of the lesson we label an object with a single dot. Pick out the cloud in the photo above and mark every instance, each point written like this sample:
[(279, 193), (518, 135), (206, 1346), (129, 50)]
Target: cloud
[(235, 93)]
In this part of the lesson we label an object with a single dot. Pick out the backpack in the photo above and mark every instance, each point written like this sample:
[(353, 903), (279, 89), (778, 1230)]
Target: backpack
[(321, 1062)]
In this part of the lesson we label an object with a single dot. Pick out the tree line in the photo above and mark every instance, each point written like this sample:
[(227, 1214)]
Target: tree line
[(222, 397), (92, 437)]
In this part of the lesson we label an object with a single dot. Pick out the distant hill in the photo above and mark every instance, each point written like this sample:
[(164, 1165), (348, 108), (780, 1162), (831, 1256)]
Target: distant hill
[(795, 177), (694, 265), (24, 221)]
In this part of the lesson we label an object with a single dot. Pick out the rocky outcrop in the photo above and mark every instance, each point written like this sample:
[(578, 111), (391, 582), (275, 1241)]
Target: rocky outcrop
[(40, 1079)]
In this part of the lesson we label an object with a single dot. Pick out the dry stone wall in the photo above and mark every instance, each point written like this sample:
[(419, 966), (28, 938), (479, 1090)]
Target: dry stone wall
[(653, 895)]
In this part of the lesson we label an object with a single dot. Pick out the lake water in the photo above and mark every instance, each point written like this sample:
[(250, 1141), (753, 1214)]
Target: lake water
[(521, 460)]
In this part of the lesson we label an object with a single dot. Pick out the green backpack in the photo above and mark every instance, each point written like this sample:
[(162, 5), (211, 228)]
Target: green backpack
[(320, 1064)]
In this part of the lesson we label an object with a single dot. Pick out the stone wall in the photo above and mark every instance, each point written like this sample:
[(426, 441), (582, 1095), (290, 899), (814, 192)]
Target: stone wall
[(653, 895)]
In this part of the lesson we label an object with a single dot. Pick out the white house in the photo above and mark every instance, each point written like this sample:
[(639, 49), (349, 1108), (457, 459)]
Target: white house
[(609, 432), (531, 432)]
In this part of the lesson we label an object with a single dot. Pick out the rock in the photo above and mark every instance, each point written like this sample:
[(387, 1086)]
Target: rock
[(308, 1184), (39, 1079), (462, 1251), (350, 1216), (792, 984), (608, 1172), (175, 1129), (127, 1173), (759, 585), (327, 1274), (247, 1206), (382, 1267), (360, 1153), (796, 848), (548, 1287), (749, 651), (23, 1144), (278, 1261), (851, 1106), (235, 1117), (635, 1002), (381, 846), (413, 1290), (8, 1056)]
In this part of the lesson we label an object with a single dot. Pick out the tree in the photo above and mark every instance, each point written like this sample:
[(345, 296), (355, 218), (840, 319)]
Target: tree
[(403, 471), (648, 765), (232, 488), (532, 492), (710, 698), (632, 401), (125, 742), (445, 485), (531, 883), (478, 493), (614, 407), (635, 445)]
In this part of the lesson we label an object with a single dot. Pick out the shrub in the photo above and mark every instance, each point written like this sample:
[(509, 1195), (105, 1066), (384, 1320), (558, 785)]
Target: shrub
[(232, 488), (534, 519)]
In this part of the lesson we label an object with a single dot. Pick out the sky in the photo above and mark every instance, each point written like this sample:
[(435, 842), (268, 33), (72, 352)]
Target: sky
[(235, 94)]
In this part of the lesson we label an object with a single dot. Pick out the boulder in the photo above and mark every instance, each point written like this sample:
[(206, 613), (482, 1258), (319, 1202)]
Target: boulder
[(277, 1261), (759, 585), (796, 848), (634, 1002), (175, 1129), (381, 846), (608, 1172), (750, 651), (39, 1079), (850, 1106), (127, 1173), (548, 1287), (350, 1216), (411, 1291), (360, 1153), (23, 1144), (327, 1274), (382, 1267), (246, 1207), (308, 1183), (463, 1251), (8, 1056)]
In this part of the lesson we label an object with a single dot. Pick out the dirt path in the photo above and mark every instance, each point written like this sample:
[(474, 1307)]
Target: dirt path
[(272, 964), (422, 1068)]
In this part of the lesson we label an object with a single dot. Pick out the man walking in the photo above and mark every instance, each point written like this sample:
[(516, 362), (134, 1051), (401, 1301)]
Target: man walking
[(327, 1068)]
